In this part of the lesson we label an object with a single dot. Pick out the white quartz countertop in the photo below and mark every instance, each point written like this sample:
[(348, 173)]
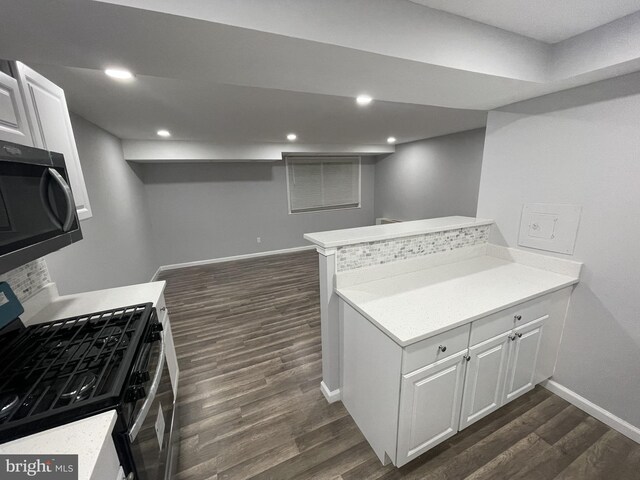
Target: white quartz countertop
[(85, 438), (413, 306), (87, 302), (349, 236)]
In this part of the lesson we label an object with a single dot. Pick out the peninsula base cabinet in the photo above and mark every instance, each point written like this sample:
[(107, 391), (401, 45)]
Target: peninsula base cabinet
[(406, 400)]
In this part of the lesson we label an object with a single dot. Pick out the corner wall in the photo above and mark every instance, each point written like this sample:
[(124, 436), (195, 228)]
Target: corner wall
[(436, 177), (581, 146), (116, 246)]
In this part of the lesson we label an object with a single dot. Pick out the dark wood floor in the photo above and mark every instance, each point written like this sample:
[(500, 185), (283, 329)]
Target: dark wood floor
[(247, 335)]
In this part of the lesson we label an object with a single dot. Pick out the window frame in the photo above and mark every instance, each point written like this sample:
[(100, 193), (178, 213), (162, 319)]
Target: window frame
[(287, 164)]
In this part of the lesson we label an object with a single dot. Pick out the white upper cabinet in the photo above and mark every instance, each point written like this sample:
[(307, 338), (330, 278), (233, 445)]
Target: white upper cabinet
[(50, 125), (14, 126)]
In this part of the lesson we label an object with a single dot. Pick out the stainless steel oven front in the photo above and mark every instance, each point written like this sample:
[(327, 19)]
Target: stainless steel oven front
[(153, 434)]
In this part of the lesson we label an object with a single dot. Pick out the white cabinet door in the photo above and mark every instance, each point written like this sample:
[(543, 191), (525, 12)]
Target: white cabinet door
[(51, 129), (522, 359), (14, 126), (484, 381), (429, 406)]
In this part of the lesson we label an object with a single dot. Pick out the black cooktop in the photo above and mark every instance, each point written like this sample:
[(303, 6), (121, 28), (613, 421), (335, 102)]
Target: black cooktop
[(57, 372)]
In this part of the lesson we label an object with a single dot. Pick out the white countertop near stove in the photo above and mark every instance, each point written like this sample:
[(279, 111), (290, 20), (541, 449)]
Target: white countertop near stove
[(87, 302), (413, 306), (350, 236), (88, 438)]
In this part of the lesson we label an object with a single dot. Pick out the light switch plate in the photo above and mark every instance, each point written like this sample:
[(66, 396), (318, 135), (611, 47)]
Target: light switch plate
[(549, 227)]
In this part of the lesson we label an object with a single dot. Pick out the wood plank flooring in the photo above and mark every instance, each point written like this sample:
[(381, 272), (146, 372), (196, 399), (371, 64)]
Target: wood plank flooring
[(247, 335)]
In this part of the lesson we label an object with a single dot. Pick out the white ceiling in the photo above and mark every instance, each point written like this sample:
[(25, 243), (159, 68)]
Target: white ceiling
[(215, 112), (549, 21), (252, 70)]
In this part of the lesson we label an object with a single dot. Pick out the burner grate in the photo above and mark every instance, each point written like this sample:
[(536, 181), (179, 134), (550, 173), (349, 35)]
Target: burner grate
[(63, 366)]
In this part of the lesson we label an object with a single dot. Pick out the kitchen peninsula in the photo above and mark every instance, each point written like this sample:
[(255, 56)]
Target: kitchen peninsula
[(427, 327)]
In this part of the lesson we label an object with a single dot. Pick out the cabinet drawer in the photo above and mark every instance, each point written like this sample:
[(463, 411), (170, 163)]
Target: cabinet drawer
[(504, 320), (428, 350)]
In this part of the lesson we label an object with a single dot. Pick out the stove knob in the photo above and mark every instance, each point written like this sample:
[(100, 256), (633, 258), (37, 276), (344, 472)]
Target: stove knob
[(154, 336), (140, 377), (135, 393), (156, 327)]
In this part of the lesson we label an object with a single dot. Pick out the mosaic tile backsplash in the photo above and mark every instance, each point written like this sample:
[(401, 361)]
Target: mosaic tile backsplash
[(351, 257), (28, 279)]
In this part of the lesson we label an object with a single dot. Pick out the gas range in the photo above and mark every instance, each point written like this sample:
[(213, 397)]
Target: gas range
[(65, 370)]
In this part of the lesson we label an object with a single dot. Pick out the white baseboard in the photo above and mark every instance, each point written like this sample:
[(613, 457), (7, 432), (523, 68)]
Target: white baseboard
[(154, 277), (594, 410), (331, 395), (268, 253)]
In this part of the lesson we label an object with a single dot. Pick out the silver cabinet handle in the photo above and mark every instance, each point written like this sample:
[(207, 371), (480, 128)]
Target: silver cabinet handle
[(517, 318), (442, 348), (131, 476)]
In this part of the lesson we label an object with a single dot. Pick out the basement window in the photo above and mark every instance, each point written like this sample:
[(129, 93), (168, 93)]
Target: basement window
[(322, 183)]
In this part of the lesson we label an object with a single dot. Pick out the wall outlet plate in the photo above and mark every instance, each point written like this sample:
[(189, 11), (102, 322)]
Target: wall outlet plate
[(549, 227)]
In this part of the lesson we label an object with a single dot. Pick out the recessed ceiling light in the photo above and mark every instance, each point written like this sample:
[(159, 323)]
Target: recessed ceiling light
[(391, 140), (292, 137), (164, 133), (119, 73), (363, 100)]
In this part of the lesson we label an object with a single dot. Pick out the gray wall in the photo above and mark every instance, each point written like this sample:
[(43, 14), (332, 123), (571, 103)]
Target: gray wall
[(582, 147), (429, 178), (201, 211), (116, 247)]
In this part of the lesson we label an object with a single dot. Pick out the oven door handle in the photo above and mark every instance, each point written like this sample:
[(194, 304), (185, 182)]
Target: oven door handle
[(146, 406)]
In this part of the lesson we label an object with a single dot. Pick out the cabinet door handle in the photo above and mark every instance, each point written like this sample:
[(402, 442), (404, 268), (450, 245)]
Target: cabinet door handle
[(512, 337), (519, 335), (467, 357), (517, 318), (442, 348)]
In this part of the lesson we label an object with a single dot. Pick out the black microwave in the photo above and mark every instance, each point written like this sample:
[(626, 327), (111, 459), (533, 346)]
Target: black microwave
[(37, 211)]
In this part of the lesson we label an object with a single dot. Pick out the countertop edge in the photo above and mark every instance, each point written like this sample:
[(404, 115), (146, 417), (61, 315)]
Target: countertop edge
[(310, 237)]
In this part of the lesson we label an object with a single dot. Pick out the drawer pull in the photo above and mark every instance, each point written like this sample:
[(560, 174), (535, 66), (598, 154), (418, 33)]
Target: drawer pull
[(517, 318), (442, 348)]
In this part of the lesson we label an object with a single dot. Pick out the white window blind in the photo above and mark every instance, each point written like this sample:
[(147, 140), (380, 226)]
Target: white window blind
[(323, 183)]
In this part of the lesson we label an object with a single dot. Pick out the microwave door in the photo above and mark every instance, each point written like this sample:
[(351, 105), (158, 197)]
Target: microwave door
[(34, 205)]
